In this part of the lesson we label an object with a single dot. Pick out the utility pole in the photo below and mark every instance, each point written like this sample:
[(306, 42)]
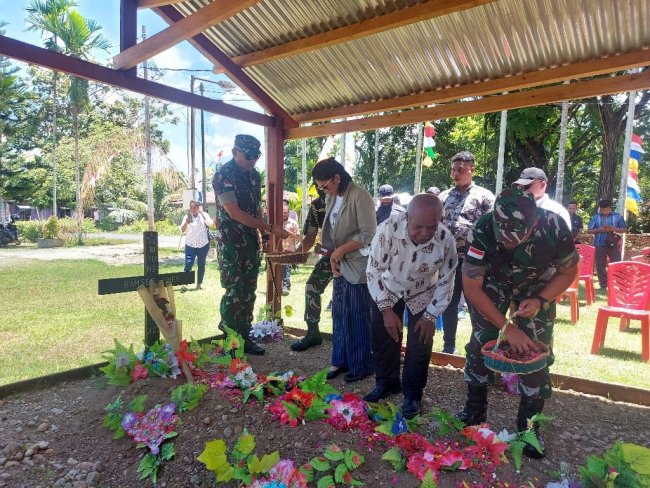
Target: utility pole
[(192, 139), (203, 187), (502, 150), (375, 169), (147, 139), (418, 160), (305, 186)]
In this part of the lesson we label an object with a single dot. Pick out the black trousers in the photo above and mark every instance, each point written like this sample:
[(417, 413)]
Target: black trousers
[(450, 315), (386, 354)]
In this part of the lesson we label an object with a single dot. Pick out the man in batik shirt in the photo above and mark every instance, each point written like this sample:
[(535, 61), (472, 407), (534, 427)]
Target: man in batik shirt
[(523, 256), (463, 205), (412, 266)]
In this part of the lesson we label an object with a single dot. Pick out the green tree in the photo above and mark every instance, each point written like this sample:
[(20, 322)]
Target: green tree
[(80, 38), (47, 16)]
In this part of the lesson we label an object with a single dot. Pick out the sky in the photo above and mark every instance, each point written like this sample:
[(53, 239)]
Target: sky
[(220, 131)]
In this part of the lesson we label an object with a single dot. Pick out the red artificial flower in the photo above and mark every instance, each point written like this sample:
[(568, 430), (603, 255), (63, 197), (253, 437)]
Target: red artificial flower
[(237, 365), (185, 355)]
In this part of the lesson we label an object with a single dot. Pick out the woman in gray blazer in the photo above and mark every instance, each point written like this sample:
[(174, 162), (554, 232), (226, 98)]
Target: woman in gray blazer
[(348, 229)]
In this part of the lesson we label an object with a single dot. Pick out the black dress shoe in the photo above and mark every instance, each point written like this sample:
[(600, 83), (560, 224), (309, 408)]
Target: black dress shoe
[(351, 378), (333, 373), (382, 391), (253, 349), (410, 408)]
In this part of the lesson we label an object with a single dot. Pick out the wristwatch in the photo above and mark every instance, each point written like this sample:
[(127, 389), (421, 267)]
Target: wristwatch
[(544, 304)]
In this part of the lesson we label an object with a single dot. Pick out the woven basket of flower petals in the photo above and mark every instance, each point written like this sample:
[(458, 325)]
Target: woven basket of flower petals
[(287, 257), (500, 357)]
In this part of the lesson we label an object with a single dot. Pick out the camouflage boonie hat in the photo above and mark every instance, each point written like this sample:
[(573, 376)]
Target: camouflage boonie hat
[(247, 144), (514, 215)]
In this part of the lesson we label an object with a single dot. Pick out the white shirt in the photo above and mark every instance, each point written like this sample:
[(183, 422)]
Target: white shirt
[(552, 206), (196, 230), (336, 208), (422, 274)]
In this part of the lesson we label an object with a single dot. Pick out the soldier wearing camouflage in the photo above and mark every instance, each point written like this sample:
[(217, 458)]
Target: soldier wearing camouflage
[(525, 256), (237, 187)]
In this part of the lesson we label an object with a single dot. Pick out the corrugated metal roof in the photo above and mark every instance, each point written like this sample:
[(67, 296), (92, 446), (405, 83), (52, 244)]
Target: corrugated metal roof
[(503, 38)]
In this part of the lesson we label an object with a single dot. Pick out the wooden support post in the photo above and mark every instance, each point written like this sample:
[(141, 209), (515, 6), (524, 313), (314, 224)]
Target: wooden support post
[(274, 191), (129, 30)]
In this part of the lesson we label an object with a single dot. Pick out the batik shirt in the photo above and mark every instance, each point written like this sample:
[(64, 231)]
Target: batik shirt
[(422, 274), (233, 184), (462, 208), (525, 270), (315, 217)]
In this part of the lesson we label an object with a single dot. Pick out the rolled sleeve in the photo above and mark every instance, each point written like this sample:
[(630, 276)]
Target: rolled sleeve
[(475, 263)]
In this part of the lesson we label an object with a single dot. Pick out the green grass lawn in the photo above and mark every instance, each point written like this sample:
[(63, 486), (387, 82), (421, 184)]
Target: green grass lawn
[(53, 320)]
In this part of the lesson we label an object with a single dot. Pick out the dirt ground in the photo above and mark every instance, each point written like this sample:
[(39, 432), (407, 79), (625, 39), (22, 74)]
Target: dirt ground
[(54, 437)]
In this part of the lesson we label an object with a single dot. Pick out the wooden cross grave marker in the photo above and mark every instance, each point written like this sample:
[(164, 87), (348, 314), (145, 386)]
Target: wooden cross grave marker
[(121, 285)]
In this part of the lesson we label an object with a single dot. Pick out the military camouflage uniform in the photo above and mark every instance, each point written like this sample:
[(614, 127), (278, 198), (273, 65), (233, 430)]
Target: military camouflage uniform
[(238, 247), (510, 276), (321, 275)]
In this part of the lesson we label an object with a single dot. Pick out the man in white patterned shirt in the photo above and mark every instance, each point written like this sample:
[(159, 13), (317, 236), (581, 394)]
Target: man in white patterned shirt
[(463, 205), (412, 265)]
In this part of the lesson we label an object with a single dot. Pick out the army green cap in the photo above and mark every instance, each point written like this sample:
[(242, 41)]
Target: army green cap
[(515, 213), (249, 145)]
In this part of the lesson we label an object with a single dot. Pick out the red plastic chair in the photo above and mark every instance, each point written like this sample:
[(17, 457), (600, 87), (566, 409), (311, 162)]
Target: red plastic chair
[(587, 256), (628, 297), (572, 294)]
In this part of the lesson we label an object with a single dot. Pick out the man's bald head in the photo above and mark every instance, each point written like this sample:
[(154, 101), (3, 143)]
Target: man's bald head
[(423, 215)]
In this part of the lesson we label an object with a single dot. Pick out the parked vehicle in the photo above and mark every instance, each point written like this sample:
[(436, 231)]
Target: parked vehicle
[(9, 232)]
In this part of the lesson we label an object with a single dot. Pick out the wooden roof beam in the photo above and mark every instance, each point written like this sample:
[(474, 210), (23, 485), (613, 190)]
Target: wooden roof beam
[(410, 15), (156, 3), (29, 53), (182, 30), (558, 74), (496, 103), (206, 47)]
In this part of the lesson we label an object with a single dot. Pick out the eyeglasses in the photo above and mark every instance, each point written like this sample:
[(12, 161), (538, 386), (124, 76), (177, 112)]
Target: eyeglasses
[(323, 187), (250, 156), (526, 187)]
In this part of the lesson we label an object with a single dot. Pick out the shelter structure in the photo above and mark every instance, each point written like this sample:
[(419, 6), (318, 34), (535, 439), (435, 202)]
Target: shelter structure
[(320, 67)]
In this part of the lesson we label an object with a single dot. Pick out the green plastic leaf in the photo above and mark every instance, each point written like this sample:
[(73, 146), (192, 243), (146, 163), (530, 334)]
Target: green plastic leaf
[(637, 457), (187, 396), (517, 449), (245, 444), (385, 428), (119, 433), (320, 464), (292, 409), (113, 420), (353, 459), (168, 451), (288, 310), (214, 455), (325, 482), (308, 471), (148, 467), (334, 453), (428, 481), (225, 473), (268, 461), (317, 410), (340, 471), (395, 458), (137, 404)]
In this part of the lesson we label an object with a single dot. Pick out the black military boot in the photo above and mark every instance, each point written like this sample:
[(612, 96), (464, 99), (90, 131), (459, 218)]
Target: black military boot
[(312, 338), (475, 410), (529, 406)]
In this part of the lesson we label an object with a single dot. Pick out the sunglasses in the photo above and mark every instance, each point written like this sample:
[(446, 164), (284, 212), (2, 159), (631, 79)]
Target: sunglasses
[(526, 187), (323, 187), (250, 156)]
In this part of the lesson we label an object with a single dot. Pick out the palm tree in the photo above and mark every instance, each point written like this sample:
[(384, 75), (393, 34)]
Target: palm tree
[(80, 37), (47, 16)]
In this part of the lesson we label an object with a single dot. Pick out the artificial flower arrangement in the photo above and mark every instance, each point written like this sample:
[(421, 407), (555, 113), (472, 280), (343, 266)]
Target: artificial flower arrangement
[(158, 360), (147, 428), (158, 299), (241, 464), (304, 402), (267, 331)]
